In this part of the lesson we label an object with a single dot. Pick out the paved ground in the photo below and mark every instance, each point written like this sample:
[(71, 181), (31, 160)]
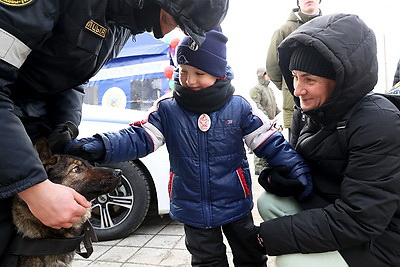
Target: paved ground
[(159, 242)]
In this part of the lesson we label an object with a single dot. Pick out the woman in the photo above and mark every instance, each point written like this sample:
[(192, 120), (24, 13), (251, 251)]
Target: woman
[(353, 217)]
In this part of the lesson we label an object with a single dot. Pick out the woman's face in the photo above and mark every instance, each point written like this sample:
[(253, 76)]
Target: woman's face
[(312, 90), (194, 78)]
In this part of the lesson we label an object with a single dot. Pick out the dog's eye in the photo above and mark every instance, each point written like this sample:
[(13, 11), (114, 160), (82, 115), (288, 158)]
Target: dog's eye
[(76, 169)]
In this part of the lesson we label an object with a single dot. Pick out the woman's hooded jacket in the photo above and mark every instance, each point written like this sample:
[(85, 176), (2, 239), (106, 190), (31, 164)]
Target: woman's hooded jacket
[(355, 207)]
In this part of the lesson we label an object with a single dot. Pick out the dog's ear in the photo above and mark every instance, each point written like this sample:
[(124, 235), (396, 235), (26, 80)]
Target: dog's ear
[(43, 149)]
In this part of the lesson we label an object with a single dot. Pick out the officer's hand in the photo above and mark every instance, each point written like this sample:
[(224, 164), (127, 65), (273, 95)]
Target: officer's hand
[(55, 205), (63, 133), (90, 148), (276, 181)]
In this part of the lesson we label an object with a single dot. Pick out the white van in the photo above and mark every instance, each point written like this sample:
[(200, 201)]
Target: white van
[(145, 180)]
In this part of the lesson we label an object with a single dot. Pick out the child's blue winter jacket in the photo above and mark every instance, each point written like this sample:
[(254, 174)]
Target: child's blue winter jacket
[(210, 182)]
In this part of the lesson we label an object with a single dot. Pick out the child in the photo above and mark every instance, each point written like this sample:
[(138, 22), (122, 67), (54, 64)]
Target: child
[(203, 125)]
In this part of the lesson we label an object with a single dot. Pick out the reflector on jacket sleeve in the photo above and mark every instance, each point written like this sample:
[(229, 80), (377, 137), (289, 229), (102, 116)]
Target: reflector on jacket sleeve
[(12, 50), (257, 137), (155, 135)]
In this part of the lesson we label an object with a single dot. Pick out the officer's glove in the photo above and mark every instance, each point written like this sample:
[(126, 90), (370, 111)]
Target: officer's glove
[(63, 133), (275, 180), (90, 148)]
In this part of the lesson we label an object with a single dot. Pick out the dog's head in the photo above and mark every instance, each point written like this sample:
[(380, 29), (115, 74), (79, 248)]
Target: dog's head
[(74, 172)]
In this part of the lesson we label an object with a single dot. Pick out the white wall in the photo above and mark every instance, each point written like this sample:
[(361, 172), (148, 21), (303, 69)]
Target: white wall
[(250, 24)]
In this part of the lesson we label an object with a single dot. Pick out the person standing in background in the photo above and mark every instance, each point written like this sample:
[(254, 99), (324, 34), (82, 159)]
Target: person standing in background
[(306, 11), (264, 97)]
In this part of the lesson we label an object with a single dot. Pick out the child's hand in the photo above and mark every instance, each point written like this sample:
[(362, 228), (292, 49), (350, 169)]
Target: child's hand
[(306, 180), (63, 133), (276, 180), (278, 122), (90, 148)]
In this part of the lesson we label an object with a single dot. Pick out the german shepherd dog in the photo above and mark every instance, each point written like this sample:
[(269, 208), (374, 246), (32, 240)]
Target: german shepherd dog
[(76, 173)]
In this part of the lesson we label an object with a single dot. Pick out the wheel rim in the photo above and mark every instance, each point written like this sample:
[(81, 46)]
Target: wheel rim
[(110, 210)]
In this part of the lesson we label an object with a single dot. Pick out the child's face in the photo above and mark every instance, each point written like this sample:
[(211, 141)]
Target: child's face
[(194, 78)]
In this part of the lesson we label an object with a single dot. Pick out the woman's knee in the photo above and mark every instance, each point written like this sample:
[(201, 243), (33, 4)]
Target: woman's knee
[(326, 259), (271, 206)]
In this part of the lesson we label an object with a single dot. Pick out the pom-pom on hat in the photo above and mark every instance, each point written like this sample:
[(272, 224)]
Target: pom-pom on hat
[(210, 57), (308, 59)]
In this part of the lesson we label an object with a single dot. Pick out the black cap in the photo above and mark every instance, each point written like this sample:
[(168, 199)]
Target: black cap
[(308, 59), (195, 17)]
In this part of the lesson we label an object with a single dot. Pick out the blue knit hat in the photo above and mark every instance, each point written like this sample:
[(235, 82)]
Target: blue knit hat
[(210, 57)]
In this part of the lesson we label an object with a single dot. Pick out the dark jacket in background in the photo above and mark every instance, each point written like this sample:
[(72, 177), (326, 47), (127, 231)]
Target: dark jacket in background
[(397, 74), (356, 203)]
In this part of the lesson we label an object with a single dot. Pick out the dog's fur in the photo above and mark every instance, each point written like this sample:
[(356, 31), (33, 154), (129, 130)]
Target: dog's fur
[(70, 171)]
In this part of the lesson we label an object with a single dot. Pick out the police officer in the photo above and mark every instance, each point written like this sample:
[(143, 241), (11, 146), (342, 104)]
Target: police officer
[(49, 48)]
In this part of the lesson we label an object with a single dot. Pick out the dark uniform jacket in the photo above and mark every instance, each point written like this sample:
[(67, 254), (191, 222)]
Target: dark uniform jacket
[(356, 204), (49, 48), (67, 42)]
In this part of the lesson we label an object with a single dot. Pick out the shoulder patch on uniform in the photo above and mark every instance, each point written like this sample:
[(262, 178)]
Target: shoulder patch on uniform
[(96, 28), (16, 2)]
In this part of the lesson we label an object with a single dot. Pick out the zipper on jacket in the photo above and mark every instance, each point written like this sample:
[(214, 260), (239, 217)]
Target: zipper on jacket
[(204, 177)]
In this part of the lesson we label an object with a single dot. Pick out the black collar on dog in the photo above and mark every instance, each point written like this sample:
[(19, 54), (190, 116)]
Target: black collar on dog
[(88, 236), (24, 246)]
